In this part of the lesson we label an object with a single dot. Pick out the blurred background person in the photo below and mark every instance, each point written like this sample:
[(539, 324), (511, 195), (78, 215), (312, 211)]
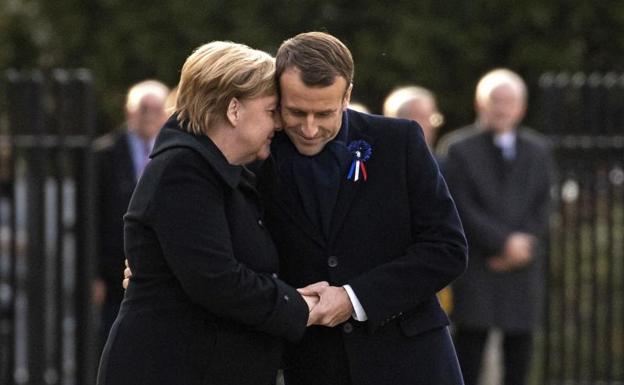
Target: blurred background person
[(415, 103), (359, 107), (170, 101), (499, 174), (120, 158)]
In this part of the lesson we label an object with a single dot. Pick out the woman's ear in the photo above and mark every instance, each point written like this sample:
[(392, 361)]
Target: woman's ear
[(233, 111)]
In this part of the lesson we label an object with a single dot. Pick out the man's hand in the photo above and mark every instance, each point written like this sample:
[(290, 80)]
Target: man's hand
[(311, 301), (98, 291), (334, 306), (127, 275), (500, 264), (518, 252)]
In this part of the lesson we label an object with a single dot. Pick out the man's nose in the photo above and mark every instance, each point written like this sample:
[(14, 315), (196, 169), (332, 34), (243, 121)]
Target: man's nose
[(309, 128)]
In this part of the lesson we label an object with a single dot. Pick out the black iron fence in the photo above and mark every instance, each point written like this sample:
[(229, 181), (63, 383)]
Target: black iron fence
[(46, 129), (583, 335)]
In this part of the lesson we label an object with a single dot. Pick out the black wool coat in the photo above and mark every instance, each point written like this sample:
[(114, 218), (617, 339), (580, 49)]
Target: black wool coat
[(496, 198), (396, 238), (204, 305)]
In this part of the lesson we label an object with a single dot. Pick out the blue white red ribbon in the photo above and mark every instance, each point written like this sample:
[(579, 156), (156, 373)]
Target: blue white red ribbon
[(361, 152)]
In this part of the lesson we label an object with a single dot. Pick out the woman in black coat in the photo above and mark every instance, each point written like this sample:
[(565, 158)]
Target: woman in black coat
[(205, 305)]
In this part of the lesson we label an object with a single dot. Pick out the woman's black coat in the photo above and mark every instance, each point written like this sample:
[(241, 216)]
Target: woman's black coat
[(204, 305)]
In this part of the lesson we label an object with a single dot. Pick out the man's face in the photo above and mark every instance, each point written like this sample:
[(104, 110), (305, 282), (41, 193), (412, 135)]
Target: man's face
[(149, 116), (312, 116), (422, 110), (503, 110)]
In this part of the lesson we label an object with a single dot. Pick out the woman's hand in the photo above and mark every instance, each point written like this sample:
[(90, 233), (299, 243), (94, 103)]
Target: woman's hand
[(127, 275), (311, 297)]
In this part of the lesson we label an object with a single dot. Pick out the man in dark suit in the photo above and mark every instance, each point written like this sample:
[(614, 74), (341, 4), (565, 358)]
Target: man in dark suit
[(120, 159), (500, 177), (359, 212)]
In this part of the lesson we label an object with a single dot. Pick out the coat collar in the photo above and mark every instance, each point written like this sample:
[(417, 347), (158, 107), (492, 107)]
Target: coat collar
[(173, 136)]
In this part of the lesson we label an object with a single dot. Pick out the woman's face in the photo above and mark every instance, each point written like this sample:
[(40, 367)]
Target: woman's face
[(257, 123)]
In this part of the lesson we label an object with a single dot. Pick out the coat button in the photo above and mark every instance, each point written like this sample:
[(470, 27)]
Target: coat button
[(347, 327), (332, 261), (286, 298), (274, 275), (260, 222)]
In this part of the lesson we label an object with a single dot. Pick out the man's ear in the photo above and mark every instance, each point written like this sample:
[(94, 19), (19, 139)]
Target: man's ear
[(347, 97), (233, 111)]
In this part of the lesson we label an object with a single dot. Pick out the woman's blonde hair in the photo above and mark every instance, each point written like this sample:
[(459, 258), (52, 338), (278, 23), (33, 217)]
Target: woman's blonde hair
[(214, 74)]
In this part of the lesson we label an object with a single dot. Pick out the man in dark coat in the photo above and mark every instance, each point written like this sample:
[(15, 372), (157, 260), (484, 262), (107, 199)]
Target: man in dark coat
[(120, 159), (357, 202), (500, 176)]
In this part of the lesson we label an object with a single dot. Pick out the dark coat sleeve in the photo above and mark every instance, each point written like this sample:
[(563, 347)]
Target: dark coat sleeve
[(189, 218), (437, 254)]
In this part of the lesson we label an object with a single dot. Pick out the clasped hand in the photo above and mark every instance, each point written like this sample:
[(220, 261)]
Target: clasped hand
[(517, 253), (329, 305)]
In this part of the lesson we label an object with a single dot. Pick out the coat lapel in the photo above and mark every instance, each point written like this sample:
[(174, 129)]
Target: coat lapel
[(517, 181), (510, 179), (348, 188), (493, 160), (517, 169)]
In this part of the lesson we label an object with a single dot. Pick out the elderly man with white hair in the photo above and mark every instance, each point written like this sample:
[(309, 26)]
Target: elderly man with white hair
[(499, 174), (418, 104), (120, 158)]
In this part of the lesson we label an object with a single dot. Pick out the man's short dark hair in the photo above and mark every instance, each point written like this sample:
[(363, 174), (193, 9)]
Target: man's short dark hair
[(319, 56)]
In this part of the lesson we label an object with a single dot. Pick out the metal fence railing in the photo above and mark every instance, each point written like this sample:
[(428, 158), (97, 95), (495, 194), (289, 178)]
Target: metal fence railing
[(583, 335), (46, 129)]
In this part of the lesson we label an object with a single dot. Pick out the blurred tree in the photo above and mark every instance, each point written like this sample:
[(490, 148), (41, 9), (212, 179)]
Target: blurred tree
[(444, 45)]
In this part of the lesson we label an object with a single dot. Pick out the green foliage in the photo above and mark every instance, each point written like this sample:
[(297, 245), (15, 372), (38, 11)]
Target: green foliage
[(443, 45)]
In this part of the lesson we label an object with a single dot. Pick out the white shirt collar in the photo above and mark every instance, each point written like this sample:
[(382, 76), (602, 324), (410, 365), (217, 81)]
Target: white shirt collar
[(505, 140)]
